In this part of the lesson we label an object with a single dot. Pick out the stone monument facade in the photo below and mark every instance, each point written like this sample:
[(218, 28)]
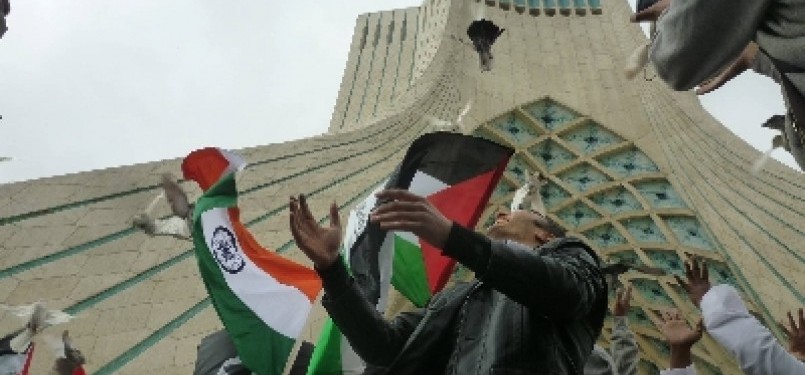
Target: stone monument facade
[(644, 174)]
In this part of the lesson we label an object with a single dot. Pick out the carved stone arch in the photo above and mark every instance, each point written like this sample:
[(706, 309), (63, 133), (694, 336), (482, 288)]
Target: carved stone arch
[(605, 190)]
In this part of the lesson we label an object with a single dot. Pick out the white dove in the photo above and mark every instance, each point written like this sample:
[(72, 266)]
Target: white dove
[(528, 196), (447, 126), (39, 318), (177, 225)]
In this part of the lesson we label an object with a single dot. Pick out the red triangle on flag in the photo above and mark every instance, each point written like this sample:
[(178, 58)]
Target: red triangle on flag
[(459, 203)]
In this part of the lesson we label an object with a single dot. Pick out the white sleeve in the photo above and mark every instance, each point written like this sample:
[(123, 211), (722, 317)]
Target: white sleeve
[(757, 351), (690, 370)]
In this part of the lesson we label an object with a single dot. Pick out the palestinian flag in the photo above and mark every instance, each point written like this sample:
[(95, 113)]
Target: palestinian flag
[(262, 298), (457, 174)]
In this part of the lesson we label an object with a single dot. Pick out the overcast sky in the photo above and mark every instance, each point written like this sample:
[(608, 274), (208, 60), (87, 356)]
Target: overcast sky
[(89, 84)]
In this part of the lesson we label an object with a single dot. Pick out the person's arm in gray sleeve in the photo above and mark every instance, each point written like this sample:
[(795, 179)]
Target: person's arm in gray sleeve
[(376, 340), (697, 38), (625, 354)]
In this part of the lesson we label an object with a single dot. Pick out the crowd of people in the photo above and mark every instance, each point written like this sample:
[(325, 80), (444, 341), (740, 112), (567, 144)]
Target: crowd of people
[(537, 305)]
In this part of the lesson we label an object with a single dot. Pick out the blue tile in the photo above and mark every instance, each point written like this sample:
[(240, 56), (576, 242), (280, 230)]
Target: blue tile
[(551, 154), (591, 137)]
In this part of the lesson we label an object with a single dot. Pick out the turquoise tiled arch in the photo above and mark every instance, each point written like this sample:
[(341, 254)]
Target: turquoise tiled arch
[(667, 260), (652, 292), (503, 189), (616, 201), (659, 194), (551, 154), (515, 129), (619, 191), (689, 232), (625, 256), (590, 137), (643, 229), (551, 115), (553, 195), (584, 177), (578, 214), (605, 236), (639, 318), (609, 191), (519, 169), (628, 163)]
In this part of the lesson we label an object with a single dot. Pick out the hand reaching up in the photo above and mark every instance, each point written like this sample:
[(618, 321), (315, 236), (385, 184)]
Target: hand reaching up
[(680, 338), (651, 13), (698, 282), (796, 335), (622, 305), (319, 243), (676, 330)]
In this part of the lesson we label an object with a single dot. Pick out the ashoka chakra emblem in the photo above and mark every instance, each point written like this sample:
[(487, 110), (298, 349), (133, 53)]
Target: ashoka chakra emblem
[(225, 250)]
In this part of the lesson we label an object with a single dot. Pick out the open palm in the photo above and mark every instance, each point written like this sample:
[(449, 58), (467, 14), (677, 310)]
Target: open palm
[(319, 243), (677, 332)]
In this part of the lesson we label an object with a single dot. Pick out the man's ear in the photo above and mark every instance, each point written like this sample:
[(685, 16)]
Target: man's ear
[(542, 236)]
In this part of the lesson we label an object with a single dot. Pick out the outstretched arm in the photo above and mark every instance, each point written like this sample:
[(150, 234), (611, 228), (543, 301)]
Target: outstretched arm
[(569, 278), (680, 338), (374, 339), (730, 324), (755, 348), (740, 65), (625, 353), (697, 38)]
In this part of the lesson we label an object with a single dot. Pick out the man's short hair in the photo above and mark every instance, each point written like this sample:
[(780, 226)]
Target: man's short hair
[(549, 225)]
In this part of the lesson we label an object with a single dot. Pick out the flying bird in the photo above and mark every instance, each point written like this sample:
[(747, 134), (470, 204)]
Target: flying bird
[(483, 34), (178, 224)]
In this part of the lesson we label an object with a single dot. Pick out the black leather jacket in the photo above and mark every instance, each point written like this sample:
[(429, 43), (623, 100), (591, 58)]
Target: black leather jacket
[(530, 312)]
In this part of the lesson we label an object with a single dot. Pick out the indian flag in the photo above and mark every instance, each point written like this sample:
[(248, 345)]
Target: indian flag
[(262, 298), (457, 174)]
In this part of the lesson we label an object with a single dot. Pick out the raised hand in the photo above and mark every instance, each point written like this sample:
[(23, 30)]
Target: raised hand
[(676, 330), (698, 280), (319, 243), (409, 212), (622, 305), (651, 13), (680, 338), (741, 64), (796, 335)]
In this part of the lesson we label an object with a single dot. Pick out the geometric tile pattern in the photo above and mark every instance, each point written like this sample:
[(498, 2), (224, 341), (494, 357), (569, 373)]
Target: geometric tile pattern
[(644, 230), (578, 214), (616, 201), (590, 137), (689, 232), (659, 194), (551, 154), (628, 163), (603, 188)]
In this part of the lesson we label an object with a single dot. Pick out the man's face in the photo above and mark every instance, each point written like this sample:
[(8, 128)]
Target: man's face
[(520, 226)]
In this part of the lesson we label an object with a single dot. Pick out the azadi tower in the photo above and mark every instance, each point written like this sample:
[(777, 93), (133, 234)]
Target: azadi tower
[(643, 173)]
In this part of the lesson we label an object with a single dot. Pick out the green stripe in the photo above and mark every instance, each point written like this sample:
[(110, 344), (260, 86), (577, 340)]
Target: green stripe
[(63, 207), (163, 332), (326, 358), (408, 272), (125, 232), (114, 365), (67, 206), (262, 349)]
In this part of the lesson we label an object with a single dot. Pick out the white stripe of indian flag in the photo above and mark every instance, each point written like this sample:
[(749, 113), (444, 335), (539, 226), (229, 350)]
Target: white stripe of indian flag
[(281, 307)]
